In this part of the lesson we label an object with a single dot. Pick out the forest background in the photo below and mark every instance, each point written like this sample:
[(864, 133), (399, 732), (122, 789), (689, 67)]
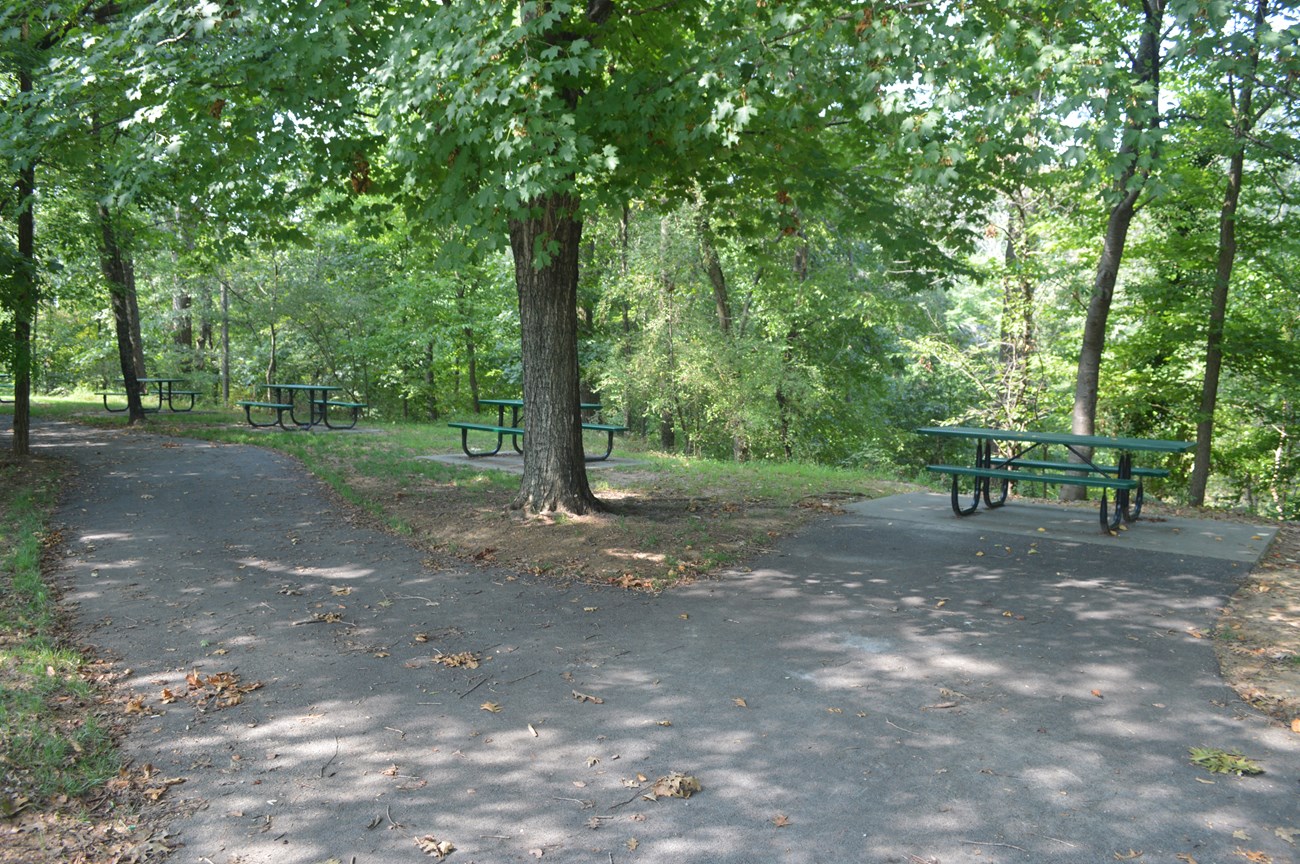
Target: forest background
[(805, 228)]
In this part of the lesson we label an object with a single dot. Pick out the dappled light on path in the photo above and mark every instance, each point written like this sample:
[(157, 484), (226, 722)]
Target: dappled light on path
[(869, 692)]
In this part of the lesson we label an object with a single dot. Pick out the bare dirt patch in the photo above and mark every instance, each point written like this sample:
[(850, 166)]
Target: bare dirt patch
[(1258, 637)]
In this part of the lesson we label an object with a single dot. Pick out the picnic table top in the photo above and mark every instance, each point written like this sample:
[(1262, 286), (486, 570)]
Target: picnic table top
[(1152, 445), (159, 380)]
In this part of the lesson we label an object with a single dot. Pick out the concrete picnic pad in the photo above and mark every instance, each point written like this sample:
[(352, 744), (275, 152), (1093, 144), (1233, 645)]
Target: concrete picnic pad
[(877, 689)]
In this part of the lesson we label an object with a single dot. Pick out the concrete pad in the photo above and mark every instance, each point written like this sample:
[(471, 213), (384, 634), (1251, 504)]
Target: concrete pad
[(1203, 538), (514, 463)]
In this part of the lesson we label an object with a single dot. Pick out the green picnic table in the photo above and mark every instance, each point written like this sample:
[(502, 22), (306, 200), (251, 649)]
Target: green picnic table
[(514, 430), (1014, 462)]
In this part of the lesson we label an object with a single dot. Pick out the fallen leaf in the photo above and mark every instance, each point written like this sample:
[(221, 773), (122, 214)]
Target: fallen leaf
[(593, 761), (135, 705), (421, 637), (676, 785), (1255, 857), (1240, 834), (1185, 858), (632, 843), (979, 554), (684, 617), (465, 659), (1295, 725), (430, 845), (584, 697), (664, 723), (780, 820), (1120, 856), (740, 703), (537, 853), (341, 591), (1287, 834), (1097, 693), (491, 706), (590, 608)]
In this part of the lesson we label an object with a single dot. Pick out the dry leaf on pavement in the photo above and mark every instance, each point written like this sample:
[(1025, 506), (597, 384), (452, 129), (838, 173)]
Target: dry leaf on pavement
[(430, 845), (676, 785)]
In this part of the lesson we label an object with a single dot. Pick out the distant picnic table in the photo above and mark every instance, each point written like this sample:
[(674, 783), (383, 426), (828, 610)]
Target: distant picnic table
[(283, 399), (514, 431), (1013, 463), (164, 389)]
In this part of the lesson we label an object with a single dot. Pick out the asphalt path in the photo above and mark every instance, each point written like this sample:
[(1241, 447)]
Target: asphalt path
[(878, 689)]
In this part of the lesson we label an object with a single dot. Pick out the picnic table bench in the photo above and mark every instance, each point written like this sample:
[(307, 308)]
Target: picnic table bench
[(1122, 478), (514, 431)]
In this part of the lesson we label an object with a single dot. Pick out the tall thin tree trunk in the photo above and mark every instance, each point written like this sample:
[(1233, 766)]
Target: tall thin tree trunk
[(115, 263), (225, 343), (1223, 272), (555, 473), (1146, 71), (24, 300), (1017, 342)]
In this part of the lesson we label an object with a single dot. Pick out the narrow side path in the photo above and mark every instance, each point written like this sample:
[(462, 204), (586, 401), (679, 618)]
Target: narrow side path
[(872, 692)]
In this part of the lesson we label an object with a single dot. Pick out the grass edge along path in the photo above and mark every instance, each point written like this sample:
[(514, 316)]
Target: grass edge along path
[(65, 794)]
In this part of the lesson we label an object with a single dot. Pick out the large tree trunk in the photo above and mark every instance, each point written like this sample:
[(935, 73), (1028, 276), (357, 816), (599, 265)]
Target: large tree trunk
[(555, 473), (115, 263), (1223, 274), (1128, 189)]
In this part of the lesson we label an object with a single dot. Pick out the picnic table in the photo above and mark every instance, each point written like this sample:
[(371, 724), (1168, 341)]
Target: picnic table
[(514, 431), (164, 388), (283, 399), (1014, 463)]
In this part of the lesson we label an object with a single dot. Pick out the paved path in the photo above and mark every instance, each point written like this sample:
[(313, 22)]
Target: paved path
[(888, 690)]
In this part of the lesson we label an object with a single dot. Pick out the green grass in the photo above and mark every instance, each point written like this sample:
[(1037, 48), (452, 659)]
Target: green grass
[(51, 742)]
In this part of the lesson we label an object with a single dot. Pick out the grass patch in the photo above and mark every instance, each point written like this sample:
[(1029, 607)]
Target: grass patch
[(51, 743)]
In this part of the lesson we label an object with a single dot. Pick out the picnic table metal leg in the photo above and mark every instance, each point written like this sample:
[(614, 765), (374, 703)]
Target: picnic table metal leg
[(1132, 509), (986, 461), (464, 445), (1110, 522)]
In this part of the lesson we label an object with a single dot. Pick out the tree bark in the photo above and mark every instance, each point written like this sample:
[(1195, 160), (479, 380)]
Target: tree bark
[(546, 245), (115, 263), (1127, 188), (1223, 273)]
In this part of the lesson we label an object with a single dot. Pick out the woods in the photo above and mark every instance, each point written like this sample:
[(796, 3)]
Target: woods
[(788, 231)]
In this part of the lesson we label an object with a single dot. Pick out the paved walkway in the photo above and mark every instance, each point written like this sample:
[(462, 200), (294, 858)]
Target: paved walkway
[(880, 690)]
